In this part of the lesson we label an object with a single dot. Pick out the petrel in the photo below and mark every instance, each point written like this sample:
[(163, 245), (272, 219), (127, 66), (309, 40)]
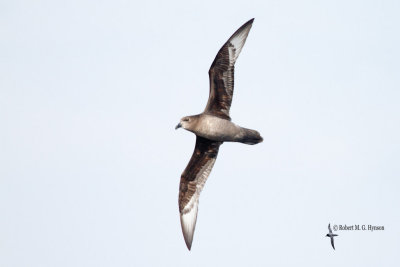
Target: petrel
[(212, 128), (331, 235)]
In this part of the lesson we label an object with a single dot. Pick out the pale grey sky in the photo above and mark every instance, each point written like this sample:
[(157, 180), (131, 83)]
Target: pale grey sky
[(90, 92)]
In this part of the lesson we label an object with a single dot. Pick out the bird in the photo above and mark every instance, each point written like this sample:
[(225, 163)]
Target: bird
[(331, 235), (212, 127)]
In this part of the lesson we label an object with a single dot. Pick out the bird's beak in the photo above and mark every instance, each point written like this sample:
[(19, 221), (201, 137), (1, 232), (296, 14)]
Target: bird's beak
[(178, 126)]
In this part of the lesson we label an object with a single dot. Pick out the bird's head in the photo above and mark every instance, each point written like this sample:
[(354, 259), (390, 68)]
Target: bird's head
[(327, 235), (186, 123)]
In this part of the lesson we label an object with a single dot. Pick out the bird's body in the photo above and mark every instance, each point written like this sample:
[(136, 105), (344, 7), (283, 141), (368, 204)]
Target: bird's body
[(221, 130), (212, 128)]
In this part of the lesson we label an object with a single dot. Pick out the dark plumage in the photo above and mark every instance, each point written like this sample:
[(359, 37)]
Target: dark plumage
[(212, 128)]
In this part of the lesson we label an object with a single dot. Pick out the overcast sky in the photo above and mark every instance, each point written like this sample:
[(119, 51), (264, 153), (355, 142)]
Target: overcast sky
[(90, 92)]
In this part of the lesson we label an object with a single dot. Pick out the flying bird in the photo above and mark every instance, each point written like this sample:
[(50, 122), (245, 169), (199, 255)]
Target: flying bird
[(331, 235), (212, 128)]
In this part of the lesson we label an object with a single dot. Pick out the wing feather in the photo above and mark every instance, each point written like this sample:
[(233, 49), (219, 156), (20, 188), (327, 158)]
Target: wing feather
[(192, 182), (221, 73)]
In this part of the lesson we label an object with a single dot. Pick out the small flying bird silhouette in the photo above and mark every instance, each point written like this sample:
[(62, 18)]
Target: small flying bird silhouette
[(212, 128), (331, 235)]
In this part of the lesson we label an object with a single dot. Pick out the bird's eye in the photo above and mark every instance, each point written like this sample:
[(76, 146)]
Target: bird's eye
[(186, 119)]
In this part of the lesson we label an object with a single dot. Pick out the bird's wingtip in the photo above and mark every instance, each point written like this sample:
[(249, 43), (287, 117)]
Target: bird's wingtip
[(250, 21), (188, 224), (188, 245)]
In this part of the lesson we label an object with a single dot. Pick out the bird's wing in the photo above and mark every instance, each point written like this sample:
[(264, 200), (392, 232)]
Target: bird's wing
[(329, 228), (222, 73), (192, 182), (333, 244)]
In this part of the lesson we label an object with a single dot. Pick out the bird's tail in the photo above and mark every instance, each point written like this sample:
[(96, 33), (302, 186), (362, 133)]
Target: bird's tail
[(250, 137)]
